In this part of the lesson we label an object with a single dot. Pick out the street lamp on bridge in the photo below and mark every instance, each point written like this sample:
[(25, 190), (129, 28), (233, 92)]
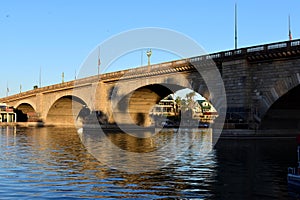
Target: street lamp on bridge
[(149, 53)]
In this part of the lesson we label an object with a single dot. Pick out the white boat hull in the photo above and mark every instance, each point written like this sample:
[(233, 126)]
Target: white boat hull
[(294, 179)]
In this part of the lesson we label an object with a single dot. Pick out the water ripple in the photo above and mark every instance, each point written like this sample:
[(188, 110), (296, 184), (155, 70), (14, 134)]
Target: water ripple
[(51, 163)]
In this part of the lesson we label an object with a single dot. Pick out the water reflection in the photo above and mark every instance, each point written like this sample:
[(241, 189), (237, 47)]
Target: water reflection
[(9, 134), (53, 163), (125, 152)]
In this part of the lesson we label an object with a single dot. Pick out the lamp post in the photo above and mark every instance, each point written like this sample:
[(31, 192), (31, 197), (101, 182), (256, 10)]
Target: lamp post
[(62, 77), (149, 53)]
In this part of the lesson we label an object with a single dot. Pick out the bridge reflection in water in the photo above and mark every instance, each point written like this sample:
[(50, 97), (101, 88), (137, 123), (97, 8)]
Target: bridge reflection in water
[(148, 152)]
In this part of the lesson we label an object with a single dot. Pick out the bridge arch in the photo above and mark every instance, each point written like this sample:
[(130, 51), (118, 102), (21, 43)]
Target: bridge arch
[(138, 103), (284, 112), (65, 110), (26, 102)]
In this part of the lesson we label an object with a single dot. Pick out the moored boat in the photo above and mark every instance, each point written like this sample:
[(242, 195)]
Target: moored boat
[(293, 176)]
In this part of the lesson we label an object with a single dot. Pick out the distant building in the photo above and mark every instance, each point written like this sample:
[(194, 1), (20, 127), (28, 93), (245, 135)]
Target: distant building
[(166, 107), (201, 110), (204, 111), (7, 113)]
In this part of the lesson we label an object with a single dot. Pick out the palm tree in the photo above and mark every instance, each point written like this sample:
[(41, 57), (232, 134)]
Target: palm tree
[(178, 102), (190, 99)]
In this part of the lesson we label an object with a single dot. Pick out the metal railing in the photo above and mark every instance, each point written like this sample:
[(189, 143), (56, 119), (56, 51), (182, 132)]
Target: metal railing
[(265, 48)]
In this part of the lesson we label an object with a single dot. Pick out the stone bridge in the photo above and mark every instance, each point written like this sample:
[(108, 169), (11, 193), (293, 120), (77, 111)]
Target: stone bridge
[(262, 89)]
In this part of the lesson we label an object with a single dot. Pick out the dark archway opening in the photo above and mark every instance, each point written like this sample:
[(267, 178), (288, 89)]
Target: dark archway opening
[(26, 113), (285, 112)]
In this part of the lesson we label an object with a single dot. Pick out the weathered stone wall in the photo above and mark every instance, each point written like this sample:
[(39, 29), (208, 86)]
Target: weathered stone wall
[(271, 80)]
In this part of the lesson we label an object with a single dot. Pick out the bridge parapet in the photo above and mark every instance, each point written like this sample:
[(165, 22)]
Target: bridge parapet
[(286, 48), (272, 50), (33, 92)]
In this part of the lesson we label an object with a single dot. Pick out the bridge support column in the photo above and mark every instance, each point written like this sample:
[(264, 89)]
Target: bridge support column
[(102, 100), (237, 83), (41, 113)]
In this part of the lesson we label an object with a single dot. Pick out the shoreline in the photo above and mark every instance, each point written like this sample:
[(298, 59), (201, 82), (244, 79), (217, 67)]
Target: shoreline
[(248, 134), (226, 133)]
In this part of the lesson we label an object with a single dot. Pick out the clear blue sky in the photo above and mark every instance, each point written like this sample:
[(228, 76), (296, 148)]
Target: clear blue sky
[(56, 36)]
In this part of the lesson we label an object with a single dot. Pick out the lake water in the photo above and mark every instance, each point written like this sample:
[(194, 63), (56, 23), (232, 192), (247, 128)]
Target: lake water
[(52, 163)]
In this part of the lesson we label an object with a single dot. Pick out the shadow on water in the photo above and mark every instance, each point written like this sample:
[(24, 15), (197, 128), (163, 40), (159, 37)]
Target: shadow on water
[(254, 168)]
